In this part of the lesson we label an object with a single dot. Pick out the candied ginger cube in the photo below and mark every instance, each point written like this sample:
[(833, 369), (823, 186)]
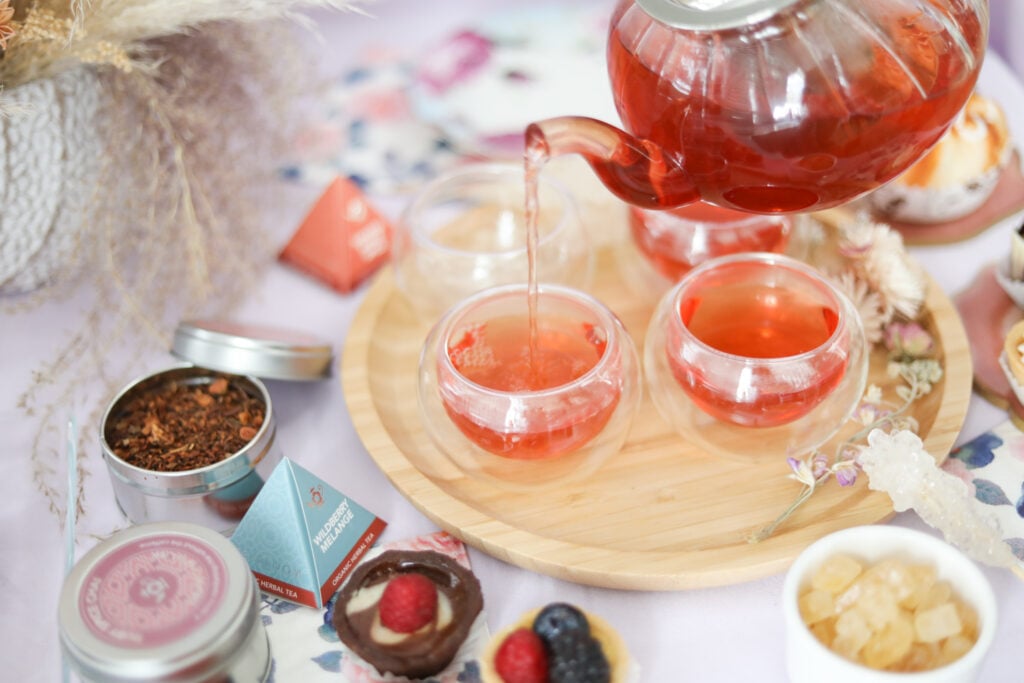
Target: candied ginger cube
[(877, 603), (816, 605), (921, 657), (836, 573), (922, 578), (825, 631), (955, 647), (890, 644), (969, 622), (894, 574), (938, 594), (932, 625), (852, 632)]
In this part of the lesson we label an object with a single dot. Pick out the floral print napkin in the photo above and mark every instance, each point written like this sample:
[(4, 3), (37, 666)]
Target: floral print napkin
[(396, 121), (992, 465)]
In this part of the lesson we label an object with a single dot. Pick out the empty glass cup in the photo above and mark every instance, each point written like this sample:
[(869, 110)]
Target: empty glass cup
[(756, 354), (522, 405), (465, 231)]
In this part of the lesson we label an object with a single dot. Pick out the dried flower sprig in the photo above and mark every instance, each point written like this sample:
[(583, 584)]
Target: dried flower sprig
[(176, 226), (875, 254), (42, 38), (919, 375)]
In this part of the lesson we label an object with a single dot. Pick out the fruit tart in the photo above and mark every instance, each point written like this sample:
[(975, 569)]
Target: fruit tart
[(407, 612), (557, 644)]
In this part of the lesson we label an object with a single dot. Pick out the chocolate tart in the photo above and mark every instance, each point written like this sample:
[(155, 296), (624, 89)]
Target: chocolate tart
[(427, 651)]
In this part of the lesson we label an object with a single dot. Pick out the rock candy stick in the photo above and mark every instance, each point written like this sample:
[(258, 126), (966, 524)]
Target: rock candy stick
[(899, 465)]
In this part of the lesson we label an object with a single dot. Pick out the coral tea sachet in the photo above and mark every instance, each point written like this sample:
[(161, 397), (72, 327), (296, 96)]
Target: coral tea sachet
[(342, 240)]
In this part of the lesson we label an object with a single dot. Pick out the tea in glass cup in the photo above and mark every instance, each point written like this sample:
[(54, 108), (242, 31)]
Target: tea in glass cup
[(675, 241), (756, 352), (466, 231), (523, 399)]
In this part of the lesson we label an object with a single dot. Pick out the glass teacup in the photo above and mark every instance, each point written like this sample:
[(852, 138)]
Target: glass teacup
[(756, 353), (465, 231), (665, 245), (524, 406)]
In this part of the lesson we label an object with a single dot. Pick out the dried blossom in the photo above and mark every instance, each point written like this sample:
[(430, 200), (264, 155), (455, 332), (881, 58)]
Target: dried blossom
[(845, 472), (876, 254), (6, 24), (868, 304), (802, 471), (908, 340)]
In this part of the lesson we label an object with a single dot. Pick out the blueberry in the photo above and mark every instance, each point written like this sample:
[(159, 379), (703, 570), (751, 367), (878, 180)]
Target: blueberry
[(576, 657), (329, 612), (559, 618)]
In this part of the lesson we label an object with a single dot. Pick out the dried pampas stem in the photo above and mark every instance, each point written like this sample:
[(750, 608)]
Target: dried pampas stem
[(176, 227)]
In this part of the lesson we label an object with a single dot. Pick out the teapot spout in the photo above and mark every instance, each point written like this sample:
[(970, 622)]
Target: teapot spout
[(637, 171)]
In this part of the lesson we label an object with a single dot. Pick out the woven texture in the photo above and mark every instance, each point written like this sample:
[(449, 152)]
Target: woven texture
[(49, 154)]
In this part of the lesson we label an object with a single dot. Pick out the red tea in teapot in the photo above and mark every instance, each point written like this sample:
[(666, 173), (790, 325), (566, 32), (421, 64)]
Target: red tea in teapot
[(807, 109)]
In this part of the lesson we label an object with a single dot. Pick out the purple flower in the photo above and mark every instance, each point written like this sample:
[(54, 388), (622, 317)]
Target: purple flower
[(845, 472), (801, 471), (819, 465)]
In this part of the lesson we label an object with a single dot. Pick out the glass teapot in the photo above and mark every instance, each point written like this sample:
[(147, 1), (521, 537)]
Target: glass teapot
[(773, 105)]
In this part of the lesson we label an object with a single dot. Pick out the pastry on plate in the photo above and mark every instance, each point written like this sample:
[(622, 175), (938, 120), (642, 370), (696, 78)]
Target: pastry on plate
[(1010, 271), (1012, 359), (958, 175), (407, 612), (558, 643)]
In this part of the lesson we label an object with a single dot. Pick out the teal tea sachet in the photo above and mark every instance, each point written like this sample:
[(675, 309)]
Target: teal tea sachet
[(302, 537)]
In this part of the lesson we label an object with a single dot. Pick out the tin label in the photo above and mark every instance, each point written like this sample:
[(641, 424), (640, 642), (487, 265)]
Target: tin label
[(153, 591)]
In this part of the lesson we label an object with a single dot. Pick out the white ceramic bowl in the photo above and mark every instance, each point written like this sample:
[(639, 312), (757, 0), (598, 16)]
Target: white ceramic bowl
[(810, 661)]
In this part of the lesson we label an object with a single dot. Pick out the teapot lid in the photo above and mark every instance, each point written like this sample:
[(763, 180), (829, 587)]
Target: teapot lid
[(711, 14)]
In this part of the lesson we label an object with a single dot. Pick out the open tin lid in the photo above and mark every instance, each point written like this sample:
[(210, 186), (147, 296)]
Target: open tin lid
[(244, 349)]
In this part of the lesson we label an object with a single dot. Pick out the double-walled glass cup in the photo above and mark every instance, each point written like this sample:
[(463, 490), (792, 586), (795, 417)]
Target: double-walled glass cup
[(675, 241), (526, 413), (465, 231), (755, 355)]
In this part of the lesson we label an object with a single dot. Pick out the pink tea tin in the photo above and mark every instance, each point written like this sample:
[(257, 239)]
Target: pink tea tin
[(166, 601)]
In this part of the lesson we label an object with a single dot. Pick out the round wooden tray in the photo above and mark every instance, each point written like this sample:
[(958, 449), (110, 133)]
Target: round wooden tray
[(660, 515)]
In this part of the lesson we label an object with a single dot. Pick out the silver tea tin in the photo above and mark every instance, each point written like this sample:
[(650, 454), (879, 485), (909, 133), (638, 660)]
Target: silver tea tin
[(163, 602), (216, 496)]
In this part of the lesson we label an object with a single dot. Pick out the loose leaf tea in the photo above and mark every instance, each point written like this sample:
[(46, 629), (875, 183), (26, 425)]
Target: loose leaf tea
[(178, 426)]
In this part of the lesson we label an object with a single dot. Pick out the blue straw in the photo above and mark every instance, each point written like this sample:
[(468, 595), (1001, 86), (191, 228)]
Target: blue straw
[(70, 516)]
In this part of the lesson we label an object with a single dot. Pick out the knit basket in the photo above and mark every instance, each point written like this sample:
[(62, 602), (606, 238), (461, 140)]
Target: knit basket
[(49, 152)]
